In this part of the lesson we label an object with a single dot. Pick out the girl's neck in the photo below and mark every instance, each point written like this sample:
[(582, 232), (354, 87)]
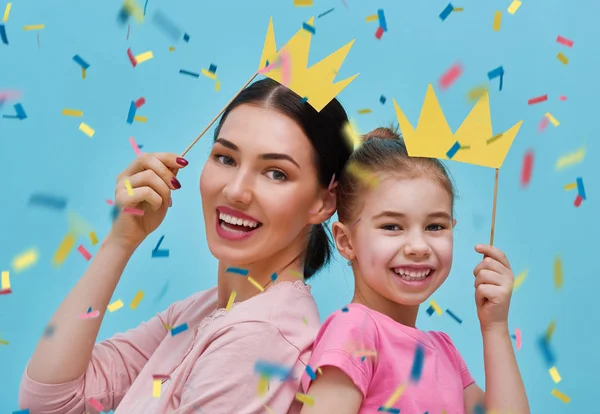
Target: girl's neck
[(404, 314)]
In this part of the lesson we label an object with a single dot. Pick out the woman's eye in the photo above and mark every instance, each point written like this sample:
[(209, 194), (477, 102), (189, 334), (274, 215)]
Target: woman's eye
[(224, 159), (435, 227), (390, 227), (276, 175)]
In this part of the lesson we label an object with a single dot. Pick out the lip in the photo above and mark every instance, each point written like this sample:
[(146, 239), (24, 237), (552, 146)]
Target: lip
[(415, 267), (229, 235), (235, 213), (414, 284)]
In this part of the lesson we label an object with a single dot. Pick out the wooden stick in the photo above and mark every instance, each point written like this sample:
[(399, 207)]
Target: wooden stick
[(218, 115), (494, 208)]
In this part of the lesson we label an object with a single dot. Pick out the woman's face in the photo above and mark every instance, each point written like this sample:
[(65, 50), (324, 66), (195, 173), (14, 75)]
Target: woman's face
[(259, 187)]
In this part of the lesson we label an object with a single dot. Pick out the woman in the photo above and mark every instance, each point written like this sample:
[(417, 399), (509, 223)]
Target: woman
[(265, 194)]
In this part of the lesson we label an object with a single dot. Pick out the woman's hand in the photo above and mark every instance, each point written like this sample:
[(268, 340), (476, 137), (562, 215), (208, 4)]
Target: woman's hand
[(151, 178), (493, 287)]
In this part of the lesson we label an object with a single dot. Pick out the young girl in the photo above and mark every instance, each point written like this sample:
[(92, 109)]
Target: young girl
[(395, 228)]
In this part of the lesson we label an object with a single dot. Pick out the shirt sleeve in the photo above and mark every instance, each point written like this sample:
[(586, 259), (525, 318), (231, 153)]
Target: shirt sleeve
[(342, 342), (224, 379), (114, 365), (465, 374)]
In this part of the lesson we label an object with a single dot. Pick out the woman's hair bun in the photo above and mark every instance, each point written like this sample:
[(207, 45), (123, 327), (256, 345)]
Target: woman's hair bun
[(382, 133)]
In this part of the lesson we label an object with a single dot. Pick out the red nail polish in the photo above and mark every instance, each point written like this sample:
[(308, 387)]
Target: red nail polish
[(176, 183), (181, 161)]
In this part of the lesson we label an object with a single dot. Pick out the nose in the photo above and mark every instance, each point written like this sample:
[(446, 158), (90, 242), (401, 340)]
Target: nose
[(416, 245), (239, 189)]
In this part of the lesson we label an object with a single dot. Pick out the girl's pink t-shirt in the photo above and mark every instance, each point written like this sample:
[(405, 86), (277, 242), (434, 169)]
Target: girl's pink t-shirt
[(210, 366), (377, 353)]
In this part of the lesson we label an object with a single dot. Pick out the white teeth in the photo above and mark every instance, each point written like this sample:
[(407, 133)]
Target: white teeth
[(238, 221), (412, 275)]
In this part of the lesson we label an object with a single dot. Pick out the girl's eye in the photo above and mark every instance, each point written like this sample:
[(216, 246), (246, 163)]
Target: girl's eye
[(435, 227), (390, 227), (276, 175), (224, 159)]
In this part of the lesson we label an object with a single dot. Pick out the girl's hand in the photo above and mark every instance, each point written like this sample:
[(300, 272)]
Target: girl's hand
[(493, 287)]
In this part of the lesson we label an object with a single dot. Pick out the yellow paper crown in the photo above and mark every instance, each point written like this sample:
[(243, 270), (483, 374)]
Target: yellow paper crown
[(314, 83), (433, 137)]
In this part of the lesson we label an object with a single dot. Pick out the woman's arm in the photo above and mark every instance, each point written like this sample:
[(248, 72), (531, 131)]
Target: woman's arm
[(333, 392)]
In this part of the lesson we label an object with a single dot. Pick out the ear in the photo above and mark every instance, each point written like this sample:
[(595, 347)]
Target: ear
[(453, 222), (325, 205), (343, 240)]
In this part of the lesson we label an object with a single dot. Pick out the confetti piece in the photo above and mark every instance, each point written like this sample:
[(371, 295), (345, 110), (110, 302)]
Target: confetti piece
[(446, 12), (558, 273), (394, 397), (351, 134), (519, 280), (3, 34), (208, 74), (131, 58), (140, 118), (136, 300), (497, 21), (25, 260), (83, 73), (81, 62), (435, 306), (309, 28), (89, 315), (382, 22), (550, 331), (303, 3), (379, 32), (116, 305), (239, 271), (217, 86), (562, 98), (430, 310), (527, 168), (34, 27), (256, 284), (142, 57), (547, 353), (364, 111), (518, 338), (231, 300), (171, 49), (160, 253), (156, 385), (453, 150), (571, 186), (128, 187), (263, 385), (564, 398), (477, 92), (186, 37), (457, 9), (555, 375), (64, 249), (450, 76), (270, 369), (371, 18), (514, 6), (551, 118), (497, 73), (562, 58), (99, 407), (20, 113), (570, 159), (367, 178), (305, 399), (3, 342), (86, 129), (389, 410), (140, 102), (166, 25), (47, 200), (135, 146), (580, 188), (417, 367), (543, 124), (578, 200), (537, 99), (72, 112), (382, 99), (5, 280), (134, 211), (453, 316), (311, 373), (131, 113), (87, 255), (561, 40), (325, 13), (178, 329), (7, 12)]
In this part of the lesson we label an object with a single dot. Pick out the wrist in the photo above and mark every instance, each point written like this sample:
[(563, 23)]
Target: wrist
[(126, 247), (495, 329)]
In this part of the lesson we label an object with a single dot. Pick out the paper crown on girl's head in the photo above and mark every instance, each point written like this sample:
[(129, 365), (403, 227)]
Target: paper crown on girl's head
[(472, 143), (289, 66)]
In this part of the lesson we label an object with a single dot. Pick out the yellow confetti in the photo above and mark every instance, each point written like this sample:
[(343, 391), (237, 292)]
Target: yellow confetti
[(86, 129), (256, 284), (368, 178), (477, 92), (140, 118), (25, 260), (217, 86), (34, 27), (458, 9), (364, 111), (519, 280), (93, 238), (514, 6), (365, 353), (562, 58), (128, 188), (268, 409), (561, 396), (136, 300), (304, 320), (435, 307), (156, 385), (300, 3), (142, 57), (6, 12), (570, 159), (351, 134), (305, 399), (555, 375), (167, 327), (171, 49), (64, 249), (550, 331), (72, 112), (263, 385), (558, 273), (3, 342), (116, 305), (394, 397), (497, 21), (552, 119), (372, 18), (83, 73), (5, 280), (570, 186), (209, 74), (230, 301)]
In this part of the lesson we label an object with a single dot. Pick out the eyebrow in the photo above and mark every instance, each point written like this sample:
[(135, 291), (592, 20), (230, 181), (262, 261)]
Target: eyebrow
[(396, 214), (267, 156)]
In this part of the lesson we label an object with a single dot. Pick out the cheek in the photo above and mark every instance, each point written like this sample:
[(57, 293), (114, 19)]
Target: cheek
[(375, 249), (443, 248)]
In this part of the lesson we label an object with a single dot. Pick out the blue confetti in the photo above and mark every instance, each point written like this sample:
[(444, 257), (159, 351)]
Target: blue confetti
[(25, 411), (417, 368), (47, 200), (167, 26), (212, 68), (274, 277), (546, 351), (185, 72), (305, 99), (145, 5), (452, 151), (271, 369), (389, 410), (479, 409), (308, 28), (446, 12), (178, 329), (3, 34), (382, 22), (580, 188), (132, 111), (495, 73), (186, 37), (323, 14), (160, 253), (382, 99), (81, 62), (311, 373), (453, 316), (345, 309), (239, 271), (430, 310)]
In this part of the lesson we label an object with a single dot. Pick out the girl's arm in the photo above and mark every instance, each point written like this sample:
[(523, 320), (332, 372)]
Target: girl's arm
[(333, 392)]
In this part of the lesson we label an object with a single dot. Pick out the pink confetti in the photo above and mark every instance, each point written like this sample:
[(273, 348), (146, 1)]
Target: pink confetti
[(285, 68), (140, 102), (131, 58), (562, 98), (134, 211), (87, 255), (331, 183), (95, 404), (450, 76), (135, 146), (518, 335), (543, 125), (4, 95), (90, 315), (110, 202), (379, 32), (564, 41), (578, 200)]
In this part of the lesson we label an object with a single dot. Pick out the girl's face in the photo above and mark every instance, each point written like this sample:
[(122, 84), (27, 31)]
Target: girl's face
[(259, 187), (402, 245)]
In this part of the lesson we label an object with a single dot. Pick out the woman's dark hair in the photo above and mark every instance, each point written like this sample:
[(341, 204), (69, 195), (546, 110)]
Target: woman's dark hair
[(324, 129)]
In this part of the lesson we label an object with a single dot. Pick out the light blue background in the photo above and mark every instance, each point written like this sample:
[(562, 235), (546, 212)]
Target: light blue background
[(47, 153)]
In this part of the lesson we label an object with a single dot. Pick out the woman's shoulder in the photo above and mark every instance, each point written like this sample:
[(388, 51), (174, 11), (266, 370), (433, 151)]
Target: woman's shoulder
[(193, 309)]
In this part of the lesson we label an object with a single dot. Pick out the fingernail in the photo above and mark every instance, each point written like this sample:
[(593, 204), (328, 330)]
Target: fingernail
[(176, 183), (181, 161)]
